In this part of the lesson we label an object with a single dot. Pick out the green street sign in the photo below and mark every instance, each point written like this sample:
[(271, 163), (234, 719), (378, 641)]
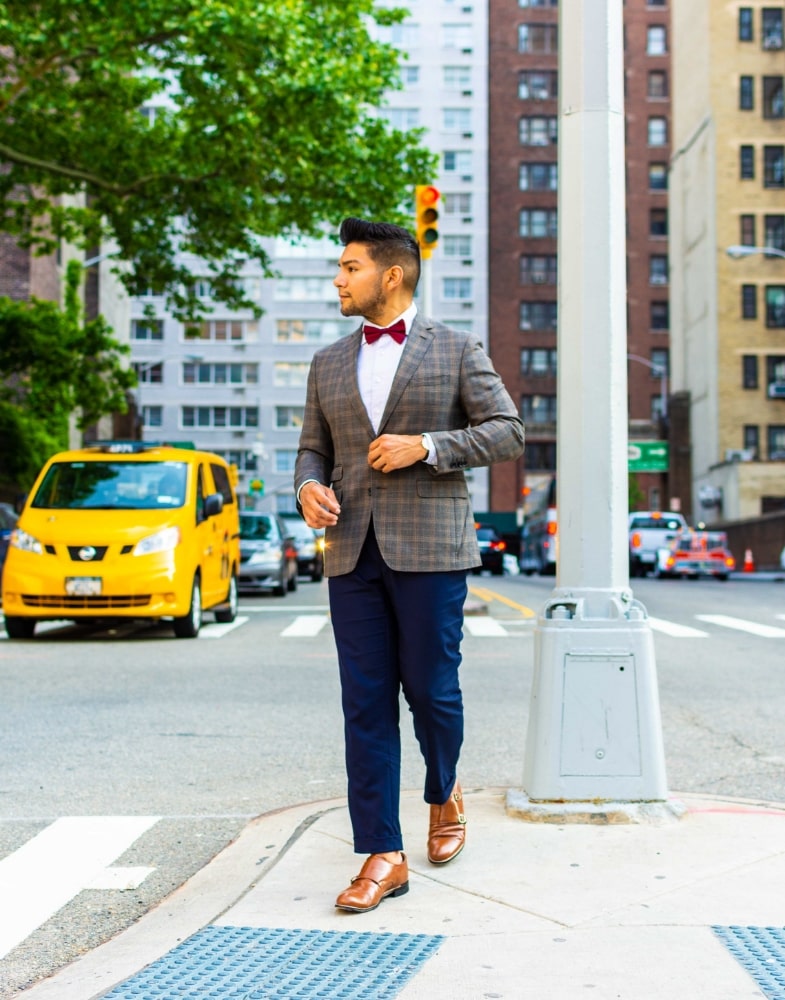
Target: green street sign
[(648, 456)]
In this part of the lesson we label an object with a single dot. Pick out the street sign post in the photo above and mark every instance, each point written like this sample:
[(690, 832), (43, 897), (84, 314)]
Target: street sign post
[(648, 456)]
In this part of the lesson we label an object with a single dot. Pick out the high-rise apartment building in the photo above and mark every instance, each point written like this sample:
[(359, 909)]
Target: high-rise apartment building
[(238, 387), (523, 145), (728, 251)]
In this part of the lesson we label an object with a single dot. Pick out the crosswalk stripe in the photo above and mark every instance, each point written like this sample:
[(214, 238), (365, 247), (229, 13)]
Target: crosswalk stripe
[(58, 863), (676, 630), (482, 626), (217, 630), (305, 626), (726, 621)]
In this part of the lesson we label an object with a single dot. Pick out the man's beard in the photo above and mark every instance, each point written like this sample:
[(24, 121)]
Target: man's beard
[(372, 305)]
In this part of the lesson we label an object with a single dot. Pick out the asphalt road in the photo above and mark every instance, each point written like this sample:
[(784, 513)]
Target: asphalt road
[(202, 735)]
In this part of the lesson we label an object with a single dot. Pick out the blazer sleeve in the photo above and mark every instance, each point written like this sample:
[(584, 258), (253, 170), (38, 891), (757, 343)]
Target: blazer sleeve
[(315, 453)]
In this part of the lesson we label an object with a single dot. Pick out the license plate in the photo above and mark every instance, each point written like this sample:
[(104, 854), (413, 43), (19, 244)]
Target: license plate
[(83, 586)]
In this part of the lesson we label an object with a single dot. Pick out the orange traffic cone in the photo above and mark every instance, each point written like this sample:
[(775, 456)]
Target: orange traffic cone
[(749, 562)]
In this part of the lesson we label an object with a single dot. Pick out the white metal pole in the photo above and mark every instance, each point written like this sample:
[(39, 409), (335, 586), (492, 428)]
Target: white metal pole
[(594, 725)]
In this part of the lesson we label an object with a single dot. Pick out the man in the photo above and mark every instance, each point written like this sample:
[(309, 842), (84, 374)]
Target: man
[(391, 420)]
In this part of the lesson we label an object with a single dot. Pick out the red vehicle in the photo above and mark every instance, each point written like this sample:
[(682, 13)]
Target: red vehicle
[(696, 553)]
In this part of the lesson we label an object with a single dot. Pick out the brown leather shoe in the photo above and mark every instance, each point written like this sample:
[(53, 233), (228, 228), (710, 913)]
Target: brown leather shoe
[(447, 831), (378, 878)]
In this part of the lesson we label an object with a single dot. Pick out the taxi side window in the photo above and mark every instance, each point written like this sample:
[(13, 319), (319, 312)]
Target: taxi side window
[(200, 496), (222, 484)]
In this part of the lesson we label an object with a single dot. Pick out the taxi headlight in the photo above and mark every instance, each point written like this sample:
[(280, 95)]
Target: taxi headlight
[(162, 541), (21, 540)]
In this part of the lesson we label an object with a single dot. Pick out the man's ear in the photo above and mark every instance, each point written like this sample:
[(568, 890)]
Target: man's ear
[(394, 276)]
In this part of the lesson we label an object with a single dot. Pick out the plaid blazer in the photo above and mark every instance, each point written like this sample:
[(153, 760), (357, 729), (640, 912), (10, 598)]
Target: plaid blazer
[(446, 385)]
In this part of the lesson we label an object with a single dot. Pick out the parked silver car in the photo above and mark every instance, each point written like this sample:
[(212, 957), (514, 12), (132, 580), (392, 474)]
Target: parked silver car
[(268, 554)]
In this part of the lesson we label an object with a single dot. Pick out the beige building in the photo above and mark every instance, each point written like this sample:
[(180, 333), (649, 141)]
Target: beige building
[(727, 251)]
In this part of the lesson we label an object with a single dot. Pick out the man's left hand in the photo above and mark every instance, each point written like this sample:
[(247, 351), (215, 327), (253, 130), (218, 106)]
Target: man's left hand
[(396, 451)]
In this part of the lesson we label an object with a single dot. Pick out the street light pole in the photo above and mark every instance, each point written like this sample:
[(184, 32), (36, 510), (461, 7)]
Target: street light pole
[(742, 250), (594, 743)]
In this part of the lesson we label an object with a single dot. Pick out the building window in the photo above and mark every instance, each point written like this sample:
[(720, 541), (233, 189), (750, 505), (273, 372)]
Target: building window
[(658, 269), (660, 361), (774, 232), (289, 418), (658, 177), (457, 161), (402, 36), (773, 105), (457, 246), (145, 329), (657, 85), (457, 289), (775, 441), (745, 24), (747, 230), (457, 119), (541, 456), (538, 270), (537, 131), (457, 36), (303, 289), (457, 77), (538, 3), (285, 459), (152, 416), (149, 373), (659, 316), (747, 162), (410, 76), (538, 409), (775, 306), (749, 302), (658, 131), (656, 40), (538, 85), (245, 461), (658, 222), (538, 38), (775, 370), (771, 27), (774, 166), (752, 439), (538, 223), (220, 373), (311, 331), (538, 316), (538, 177), (290, 374), (219, 417), (401, 118), (538, 362), (457, 204), (746, 93), (749, 371)]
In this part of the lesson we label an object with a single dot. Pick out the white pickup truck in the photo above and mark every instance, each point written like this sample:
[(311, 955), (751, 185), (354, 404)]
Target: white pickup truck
[(649, 531)]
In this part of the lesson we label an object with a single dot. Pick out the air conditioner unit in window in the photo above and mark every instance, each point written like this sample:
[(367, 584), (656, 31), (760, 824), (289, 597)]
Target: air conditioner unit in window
[(776, 390), (739, 454)]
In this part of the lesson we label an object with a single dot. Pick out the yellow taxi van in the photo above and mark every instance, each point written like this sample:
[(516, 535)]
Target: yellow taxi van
[(125, 530)]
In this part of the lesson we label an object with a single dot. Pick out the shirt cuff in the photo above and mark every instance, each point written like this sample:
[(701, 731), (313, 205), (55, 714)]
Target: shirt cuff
[(430, 458), (299, 488)]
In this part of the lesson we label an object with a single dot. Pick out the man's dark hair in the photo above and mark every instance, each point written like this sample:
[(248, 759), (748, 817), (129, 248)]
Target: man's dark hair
[(387, 245)]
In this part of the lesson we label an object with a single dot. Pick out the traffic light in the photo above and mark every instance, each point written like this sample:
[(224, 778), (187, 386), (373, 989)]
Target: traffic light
[(426, 198)]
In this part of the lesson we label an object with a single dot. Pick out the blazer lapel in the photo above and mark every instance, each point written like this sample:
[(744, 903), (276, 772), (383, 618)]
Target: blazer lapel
[(353, 386), (418, 344)]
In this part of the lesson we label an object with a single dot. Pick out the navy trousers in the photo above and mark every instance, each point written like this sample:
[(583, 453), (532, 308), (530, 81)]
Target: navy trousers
[(396, 631)]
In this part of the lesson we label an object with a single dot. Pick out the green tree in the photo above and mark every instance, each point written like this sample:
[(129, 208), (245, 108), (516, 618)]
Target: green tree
[(263, 125), (54, 365)]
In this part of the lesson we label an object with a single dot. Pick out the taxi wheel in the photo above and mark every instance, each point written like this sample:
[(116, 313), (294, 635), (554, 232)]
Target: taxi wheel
[(188, 626), (229, 613), (19, 628)]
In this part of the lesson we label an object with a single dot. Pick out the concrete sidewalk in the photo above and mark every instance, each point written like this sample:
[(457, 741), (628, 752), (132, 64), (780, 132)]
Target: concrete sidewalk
[(528, 910)]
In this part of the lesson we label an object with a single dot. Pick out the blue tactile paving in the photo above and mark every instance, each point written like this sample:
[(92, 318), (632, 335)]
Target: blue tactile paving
[(761, 950), (258, 963)]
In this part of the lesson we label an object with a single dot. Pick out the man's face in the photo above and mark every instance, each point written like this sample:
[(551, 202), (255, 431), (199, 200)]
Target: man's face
[(360, 283)]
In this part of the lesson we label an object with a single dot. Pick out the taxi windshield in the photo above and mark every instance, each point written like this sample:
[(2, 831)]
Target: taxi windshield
[(112, 485)]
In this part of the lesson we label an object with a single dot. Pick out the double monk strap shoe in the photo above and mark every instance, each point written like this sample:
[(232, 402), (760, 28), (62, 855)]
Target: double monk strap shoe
[(378, 879), (447, 830)]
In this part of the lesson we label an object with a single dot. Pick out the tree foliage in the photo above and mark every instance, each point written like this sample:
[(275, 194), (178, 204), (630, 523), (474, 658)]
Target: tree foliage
[(54, 365), (264, 125)]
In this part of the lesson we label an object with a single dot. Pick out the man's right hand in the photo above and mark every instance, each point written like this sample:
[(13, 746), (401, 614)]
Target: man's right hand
[(320, 506)]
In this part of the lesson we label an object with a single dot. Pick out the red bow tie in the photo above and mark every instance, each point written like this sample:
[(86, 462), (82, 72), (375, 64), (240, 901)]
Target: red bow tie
[(397, 331)]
